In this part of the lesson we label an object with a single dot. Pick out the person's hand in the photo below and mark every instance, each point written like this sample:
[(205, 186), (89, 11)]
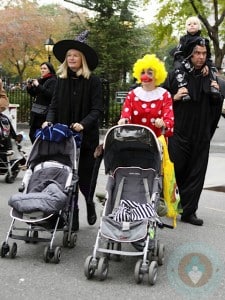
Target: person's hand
[(159, 123), (46, 123), (19, 138), (205, 71), (122, 121), (77, 127), (98, 151), (35, 82), (215, 84), (180, 94)]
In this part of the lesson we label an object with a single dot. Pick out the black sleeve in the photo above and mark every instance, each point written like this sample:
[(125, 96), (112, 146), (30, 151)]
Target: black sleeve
[(47, 88), (53, 108), (96, 104)]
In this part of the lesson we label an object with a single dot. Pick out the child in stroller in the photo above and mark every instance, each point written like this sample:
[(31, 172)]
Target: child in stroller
[(8, 166)]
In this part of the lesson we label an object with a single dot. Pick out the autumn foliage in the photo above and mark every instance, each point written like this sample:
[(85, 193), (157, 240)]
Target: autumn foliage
[(23, 31)]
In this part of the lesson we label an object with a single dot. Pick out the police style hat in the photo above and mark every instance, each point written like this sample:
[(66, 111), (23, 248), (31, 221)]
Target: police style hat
[(60, 49), (196, 41)]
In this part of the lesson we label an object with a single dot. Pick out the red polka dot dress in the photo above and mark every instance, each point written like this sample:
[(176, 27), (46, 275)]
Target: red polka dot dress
[(144, 107)]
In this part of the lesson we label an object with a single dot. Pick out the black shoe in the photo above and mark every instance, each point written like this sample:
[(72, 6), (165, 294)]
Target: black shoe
[(91, 214), (186, 98), (192, 219), (75, 224)]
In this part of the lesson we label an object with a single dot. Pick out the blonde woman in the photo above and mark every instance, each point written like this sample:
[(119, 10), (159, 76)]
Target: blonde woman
[(77, 102)]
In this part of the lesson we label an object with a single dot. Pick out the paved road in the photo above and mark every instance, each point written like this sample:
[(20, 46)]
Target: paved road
[(28, 276)]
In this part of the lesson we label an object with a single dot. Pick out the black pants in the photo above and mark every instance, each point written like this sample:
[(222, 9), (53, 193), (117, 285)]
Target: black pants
[(85, 170), (190, 162)]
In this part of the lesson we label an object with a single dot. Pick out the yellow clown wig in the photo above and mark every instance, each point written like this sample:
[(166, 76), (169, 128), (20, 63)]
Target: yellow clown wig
[(150, 61)]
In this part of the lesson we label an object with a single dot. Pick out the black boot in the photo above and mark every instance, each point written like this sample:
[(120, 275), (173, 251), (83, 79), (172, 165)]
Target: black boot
[(91, 213), (75, 224)]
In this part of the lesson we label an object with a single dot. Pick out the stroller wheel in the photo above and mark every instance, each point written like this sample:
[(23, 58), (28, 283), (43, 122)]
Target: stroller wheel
[(103, 267), (9, 179), (113, 246), (57, 255), (4, 249), (89, 267), (73, 240), (28, 236), (118, 247), (47, 254), (138, 274), (35, 235), (13, 251), (161, 254), (69, 243), (152, 272), (65, 239)]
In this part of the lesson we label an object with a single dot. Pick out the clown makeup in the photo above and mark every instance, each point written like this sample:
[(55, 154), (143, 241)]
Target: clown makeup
[(147, 76), (149, 72)]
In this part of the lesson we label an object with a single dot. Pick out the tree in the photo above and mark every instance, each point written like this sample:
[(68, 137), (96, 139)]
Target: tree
[(117, 38), (22, 38), (172, 15), (104, 8)]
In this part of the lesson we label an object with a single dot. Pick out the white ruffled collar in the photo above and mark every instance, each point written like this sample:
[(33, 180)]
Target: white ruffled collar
[(147, 96)]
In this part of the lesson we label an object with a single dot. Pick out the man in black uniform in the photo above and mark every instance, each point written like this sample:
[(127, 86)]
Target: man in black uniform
[(195, 123)]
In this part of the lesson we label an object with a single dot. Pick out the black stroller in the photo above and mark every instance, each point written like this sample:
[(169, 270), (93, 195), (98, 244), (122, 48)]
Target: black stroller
[(132, 158), (11, 160), (45, 201)]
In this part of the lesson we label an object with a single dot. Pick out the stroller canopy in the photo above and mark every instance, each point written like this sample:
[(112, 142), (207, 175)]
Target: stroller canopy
[(131, 146), (55, 143)]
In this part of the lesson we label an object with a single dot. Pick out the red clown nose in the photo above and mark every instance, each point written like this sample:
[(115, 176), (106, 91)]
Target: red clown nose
[(145, 78)]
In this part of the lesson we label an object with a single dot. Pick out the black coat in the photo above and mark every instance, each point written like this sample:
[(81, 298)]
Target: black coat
[(77, 99), (198, 118), (42, 94), (195, 122)]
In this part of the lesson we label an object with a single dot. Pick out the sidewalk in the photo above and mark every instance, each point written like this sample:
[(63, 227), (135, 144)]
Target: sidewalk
[(215, 175)]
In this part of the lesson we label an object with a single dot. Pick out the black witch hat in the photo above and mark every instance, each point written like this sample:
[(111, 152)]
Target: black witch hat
[(79, 43)]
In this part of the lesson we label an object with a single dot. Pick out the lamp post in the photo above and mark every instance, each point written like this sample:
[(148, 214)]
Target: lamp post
[(49, 44)]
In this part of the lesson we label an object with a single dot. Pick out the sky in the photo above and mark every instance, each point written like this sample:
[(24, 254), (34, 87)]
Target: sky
[(147, 14)]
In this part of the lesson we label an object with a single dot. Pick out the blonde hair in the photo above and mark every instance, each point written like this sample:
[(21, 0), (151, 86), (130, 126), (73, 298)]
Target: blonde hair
[(194, 20), (84, 70), (150, 61)]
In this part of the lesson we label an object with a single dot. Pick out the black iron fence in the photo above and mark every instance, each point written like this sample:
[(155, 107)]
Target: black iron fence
[(112, 107), (23, 99)]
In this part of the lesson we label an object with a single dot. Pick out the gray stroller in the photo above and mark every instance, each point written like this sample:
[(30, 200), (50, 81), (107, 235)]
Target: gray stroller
[(132, 158), (44, 203)]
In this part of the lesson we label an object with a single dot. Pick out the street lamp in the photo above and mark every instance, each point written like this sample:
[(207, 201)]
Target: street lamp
[(49, 44)]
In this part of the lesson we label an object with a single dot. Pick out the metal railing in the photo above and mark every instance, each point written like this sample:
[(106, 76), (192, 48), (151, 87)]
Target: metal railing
[(110, 116)]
